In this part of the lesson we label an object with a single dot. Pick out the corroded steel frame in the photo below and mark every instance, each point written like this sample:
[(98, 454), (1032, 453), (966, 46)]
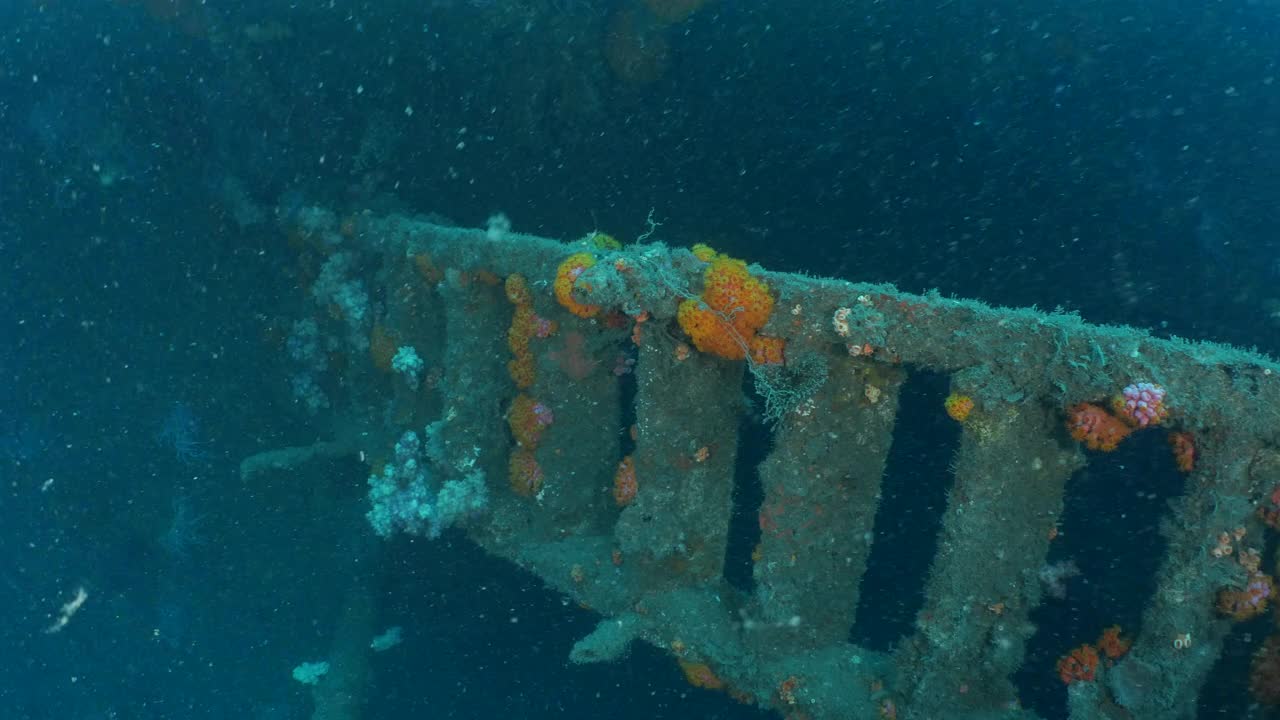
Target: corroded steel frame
[(654, 569)]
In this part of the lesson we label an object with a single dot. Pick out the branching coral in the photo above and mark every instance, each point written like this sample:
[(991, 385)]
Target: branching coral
[(409, 496), (786, 387)]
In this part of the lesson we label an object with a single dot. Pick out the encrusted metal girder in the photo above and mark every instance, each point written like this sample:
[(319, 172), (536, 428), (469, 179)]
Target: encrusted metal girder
[(648, 550)]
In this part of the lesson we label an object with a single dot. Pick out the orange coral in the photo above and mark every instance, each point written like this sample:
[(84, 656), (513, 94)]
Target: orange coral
[(521, 367), (701, 675), (525, 325), (524, 473), (624, 482), (1269, 512), (521, 329), (787, 690), (1113, 644), (1095, 427), (958, 406), (767, 350), (733, 307), (521, 370), (1183, 445), (517, 290), (1081, 664), (527, 419), (1248, 602), (566, 275), (710, 334), (703, 252), (729, 288)]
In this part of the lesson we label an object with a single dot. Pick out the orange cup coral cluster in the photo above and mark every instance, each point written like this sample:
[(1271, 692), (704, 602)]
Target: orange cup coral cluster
[(701, 675), (1140, 405), (1183, 445), (524, 472), (1112, 644), (624, 482), (709, 333), (958, 406), (1248, 602), (521, 367), (528, 419), (566, 276), (733, 307), (1269, 511), (767, 350), (525, 325), (1081, 664), (1095, 427)]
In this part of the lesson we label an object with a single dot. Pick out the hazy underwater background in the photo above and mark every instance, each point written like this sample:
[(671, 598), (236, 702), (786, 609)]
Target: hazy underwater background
[(1117, 159)]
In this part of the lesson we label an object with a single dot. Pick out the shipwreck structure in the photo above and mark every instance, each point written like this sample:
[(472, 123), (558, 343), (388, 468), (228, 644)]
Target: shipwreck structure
[(607, 442)]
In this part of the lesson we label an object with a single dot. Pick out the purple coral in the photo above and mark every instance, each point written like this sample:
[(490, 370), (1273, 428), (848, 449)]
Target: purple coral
[(542, 415), (1142, 404)]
